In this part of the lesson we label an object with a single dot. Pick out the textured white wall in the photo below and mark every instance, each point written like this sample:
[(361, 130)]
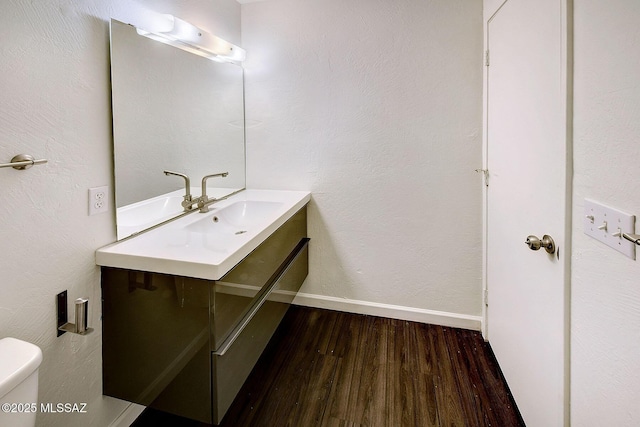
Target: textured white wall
[(375, 107), (605, 321), (55, 103)]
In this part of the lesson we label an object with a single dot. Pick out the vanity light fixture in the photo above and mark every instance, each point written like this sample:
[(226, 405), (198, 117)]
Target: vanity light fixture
[(179, 33)]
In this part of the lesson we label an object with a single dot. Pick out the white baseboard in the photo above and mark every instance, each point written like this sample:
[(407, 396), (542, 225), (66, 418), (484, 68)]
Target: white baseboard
[(128, 416), (442, 318)]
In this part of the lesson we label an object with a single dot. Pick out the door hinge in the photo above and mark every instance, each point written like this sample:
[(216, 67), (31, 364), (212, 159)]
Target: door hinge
[(486, 297), (485, 173), (486, 57)]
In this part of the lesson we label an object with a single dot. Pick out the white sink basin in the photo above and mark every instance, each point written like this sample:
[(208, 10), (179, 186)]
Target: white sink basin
[(237, 218), (207, 245), (141, 215), (156, 208)]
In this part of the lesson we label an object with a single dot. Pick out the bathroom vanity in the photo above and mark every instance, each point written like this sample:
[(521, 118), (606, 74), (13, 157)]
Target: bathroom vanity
[(189, 307), (191, 298)]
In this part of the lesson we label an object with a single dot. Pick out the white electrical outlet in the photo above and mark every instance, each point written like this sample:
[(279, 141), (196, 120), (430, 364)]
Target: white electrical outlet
[(98, 200)]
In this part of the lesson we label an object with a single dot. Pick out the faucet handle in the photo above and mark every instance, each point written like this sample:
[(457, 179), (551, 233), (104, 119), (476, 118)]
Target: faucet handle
[(187, 201), (204, 201), (206, 177)]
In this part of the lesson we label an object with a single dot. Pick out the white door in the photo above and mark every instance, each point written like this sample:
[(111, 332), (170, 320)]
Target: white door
[(529, 194)]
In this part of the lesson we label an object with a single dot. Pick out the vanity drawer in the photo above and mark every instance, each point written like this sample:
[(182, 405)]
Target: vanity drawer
[(234, 295), (233, 361)]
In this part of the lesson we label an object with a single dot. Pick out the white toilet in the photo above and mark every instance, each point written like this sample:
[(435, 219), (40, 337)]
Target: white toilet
[(19, 363)]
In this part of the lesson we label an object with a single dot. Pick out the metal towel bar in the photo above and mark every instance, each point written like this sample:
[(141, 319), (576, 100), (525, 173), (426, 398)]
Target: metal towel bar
[(22, 162)]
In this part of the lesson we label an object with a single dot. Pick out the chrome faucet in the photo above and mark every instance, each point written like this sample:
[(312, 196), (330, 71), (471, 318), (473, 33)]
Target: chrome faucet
[(203, 201), (187, 201)]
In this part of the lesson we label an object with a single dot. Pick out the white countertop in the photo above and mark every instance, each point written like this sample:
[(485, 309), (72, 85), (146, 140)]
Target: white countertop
[(197, 246)]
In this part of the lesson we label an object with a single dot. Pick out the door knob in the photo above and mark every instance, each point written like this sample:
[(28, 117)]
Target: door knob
[(547, 243), (533, 242)]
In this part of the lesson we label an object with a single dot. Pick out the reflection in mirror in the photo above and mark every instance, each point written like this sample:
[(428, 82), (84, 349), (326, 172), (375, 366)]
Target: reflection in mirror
[(172, 110)]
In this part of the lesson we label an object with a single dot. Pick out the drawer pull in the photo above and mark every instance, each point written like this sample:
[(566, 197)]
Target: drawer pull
[(270, 285)]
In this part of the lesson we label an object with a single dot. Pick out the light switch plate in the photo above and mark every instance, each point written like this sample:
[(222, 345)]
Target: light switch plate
[(602, 222)]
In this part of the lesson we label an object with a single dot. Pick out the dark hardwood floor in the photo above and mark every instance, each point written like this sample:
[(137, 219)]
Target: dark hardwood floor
[(334, 369)]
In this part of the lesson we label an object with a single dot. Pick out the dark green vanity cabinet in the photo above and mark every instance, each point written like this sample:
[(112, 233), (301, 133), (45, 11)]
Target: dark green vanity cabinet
[(185, 345)]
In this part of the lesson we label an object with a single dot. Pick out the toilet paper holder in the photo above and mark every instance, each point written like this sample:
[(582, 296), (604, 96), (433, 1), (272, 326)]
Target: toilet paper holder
[(81, 315)]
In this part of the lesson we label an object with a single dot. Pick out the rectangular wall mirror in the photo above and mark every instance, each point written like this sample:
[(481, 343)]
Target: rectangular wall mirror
[(172, 110)]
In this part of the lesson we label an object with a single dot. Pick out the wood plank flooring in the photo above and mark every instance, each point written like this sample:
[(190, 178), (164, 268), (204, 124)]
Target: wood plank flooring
[(334, 369)]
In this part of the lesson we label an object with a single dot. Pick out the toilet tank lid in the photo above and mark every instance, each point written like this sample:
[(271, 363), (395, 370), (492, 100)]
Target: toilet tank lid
[(18, 360)]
